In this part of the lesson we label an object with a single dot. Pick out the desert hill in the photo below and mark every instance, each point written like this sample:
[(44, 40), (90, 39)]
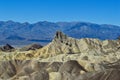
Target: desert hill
[(64, 58)]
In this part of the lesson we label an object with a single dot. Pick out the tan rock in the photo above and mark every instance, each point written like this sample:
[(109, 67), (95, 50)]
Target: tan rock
[(55, 76)]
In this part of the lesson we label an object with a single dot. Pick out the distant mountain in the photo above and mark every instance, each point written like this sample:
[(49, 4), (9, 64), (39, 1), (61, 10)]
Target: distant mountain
[(14, 37), (17, 33)]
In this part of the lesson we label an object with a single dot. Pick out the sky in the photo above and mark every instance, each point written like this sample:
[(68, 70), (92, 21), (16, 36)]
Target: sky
[(95, 11)]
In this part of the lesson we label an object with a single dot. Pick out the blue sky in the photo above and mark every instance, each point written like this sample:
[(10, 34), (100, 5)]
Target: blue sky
[(96, 11)]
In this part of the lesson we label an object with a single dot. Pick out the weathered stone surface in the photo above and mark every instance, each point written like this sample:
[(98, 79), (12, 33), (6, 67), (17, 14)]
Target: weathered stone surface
[(31, 47), (7, 48), (65, 58), (100, 75), (30, 69), (70, 70)]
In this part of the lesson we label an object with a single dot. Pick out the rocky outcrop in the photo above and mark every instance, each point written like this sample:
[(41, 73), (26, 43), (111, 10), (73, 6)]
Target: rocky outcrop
[(100, 75), (70, 70), (7, 47), (30, 69), (90, 53), (62, 44), (65, 58), (35, 70), (31, 47)]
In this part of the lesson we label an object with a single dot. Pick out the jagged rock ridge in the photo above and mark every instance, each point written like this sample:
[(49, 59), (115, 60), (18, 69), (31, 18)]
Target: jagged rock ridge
[(73, 59), (16, 33), (7, 47), (62, 44), (31, 47)]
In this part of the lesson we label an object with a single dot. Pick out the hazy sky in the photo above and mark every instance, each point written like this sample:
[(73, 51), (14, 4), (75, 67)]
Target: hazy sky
[(96, 11)]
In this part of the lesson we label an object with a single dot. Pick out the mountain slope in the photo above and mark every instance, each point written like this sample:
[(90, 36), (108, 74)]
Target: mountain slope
[(43, 32), (65, 58)]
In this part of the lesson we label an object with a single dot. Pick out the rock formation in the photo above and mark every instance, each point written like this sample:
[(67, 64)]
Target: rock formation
[(27, 69), (7, 47), (70, 70), (65, 58), (62, 44), (31, 47)]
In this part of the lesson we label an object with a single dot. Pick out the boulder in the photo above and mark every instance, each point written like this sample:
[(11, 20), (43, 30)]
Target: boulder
[(7, 47)]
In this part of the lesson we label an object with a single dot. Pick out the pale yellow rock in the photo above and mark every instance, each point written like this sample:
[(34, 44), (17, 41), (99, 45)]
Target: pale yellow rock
[(82, 72), (55, 76), (62, 44), (89, 66), (63, 48)]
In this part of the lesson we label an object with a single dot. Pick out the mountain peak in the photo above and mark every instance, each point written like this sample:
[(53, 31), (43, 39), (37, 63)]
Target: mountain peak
[(42, 31), (60, 36)]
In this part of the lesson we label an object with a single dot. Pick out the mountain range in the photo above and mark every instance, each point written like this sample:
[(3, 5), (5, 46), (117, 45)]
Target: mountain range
[(16, 33)]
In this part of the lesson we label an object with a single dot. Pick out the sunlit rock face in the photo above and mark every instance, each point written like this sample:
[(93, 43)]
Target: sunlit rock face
[(62, 44), (65, 58), (70, 70), (30, 69)]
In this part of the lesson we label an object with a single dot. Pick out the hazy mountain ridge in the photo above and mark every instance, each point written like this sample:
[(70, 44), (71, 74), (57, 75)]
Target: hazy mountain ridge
[(14, 32)]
